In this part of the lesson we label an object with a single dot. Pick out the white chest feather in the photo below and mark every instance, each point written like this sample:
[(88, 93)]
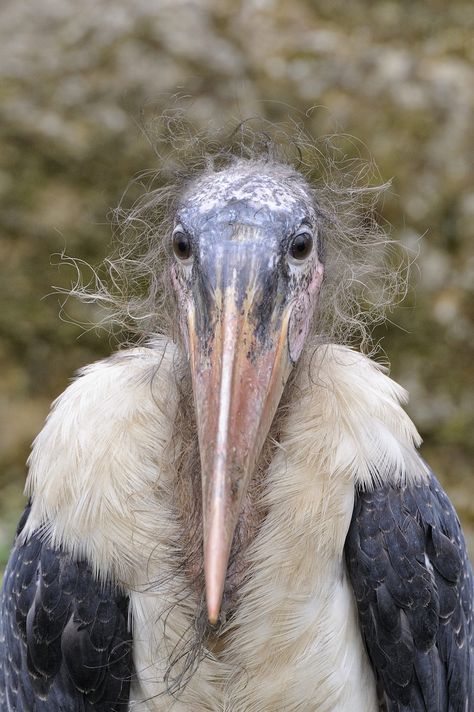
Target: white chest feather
[(293, 643)]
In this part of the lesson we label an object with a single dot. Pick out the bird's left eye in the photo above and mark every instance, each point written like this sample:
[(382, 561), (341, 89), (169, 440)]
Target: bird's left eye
[(301, 246), (182, 245)]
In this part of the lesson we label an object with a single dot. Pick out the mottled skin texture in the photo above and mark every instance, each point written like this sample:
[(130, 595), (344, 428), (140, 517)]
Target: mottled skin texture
[(273, 205), (272, 208)]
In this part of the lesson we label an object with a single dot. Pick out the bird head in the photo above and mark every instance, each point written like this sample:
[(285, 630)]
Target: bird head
[(247, 271)]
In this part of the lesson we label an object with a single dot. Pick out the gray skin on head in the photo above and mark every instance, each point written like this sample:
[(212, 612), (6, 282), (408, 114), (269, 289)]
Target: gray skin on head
[(247, 274), (239, 216)]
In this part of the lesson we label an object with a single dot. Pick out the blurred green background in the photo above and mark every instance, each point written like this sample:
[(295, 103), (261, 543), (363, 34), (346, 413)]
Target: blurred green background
[(399, 76)]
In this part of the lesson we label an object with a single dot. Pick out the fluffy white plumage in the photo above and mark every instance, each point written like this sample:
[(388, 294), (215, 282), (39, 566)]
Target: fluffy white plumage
[(102, 468)]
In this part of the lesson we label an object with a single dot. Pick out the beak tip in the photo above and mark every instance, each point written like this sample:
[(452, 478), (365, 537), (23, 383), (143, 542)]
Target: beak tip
[(216, 556), (213, 610), (212, 617), (214, 591)]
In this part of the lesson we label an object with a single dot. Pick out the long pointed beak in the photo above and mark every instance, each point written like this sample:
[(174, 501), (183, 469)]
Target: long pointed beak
[(240, 364)]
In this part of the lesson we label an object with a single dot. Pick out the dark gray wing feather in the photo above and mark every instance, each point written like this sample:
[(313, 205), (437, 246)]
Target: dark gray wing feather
[(64, 641), (413, 584)]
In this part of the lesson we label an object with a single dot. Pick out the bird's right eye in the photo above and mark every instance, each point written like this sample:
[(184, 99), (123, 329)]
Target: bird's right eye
[(301, 246), (181, 245)]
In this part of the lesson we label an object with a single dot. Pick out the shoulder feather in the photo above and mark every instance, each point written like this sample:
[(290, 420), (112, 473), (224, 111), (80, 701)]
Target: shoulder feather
[(414, 588), (64, 638), (358, 416), (100, 456)]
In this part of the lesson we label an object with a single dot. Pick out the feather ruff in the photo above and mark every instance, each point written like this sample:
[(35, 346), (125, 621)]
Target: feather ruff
[(101, 480)]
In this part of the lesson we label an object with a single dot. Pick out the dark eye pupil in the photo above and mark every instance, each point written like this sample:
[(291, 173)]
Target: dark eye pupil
[(301, 246), (181, 246)]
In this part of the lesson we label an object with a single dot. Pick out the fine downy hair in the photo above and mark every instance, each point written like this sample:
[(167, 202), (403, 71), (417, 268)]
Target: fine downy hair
[(365, 273), (363, 278)]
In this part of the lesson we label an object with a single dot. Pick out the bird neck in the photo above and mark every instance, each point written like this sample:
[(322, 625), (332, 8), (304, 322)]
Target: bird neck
[(187, 503)]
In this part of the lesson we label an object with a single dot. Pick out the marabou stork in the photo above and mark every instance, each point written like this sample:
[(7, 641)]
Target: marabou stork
[(278, 547)]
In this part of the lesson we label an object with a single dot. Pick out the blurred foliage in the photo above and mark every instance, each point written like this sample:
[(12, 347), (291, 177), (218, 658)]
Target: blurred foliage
[(398, 76)]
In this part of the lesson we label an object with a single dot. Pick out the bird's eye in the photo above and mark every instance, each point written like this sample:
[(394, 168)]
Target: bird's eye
[(301, 246), (181, 245)]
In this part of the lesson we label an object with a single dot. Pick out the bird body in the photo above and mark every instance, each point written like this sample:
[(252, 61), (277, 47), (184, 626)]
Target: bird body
[(115, 490), (296, 603)]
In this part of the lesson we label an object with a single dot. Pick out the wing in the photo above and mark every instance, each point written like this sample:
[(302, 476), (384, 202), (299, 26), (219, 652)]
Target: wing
[(64, 643), (413, 584)]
